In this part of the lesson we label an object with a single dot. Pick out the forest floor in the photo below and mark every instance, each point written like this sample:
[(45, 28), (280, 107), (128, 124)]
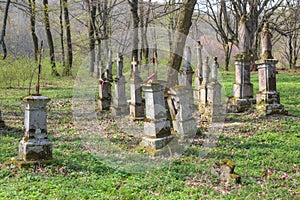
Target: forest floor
[(266, 152)]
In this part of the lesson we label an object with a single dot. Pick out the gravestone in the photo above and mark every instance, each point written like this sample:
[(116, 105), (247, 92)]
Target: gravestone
[(198, 72), (157, 133), (35, 145), (119, 104), (136, 103), (242, 89), (105, 97), (179, 106), (186, 75), (203, 86), (214, 110), (268, 99)]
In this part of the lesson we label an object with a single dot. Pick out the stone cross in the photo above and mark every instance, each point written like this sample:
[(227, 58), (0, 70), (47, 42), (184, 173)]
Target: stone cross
[(243, 36), (136, 107)]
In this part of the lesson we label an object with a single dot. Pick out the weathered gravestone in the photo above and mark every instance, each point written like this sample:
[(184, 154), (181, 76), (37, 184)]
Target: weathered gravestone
[(119, 104), (198, 72), (104, 100), (214, 110), (203, 86), (136, 103), (35, 145), (157, 132), (186, 74), (242, 89), (179, 106), (268, 99)]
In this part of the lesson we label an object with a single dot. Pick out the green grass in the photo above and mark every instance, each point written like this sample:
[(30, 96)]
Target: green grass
[(265, 150)]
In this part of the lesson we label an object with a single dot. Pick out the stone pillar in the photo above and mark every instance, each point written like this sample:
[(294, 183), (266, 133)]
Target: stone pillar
[(179, 106), (242, 89), (203, 87), (35, 145), (119, 105), (187, 72), (268, 99), (214, 110), (157, 133), (198, 77), (137, 106)]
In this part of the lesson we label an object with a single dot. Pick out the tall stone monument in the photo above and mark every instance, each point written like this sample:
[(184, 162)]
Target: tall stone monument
[(137, 106), (186, 75), (198, 72), (268, 99), (105, 97), (157, 132), (215, 109), (242, 89), (203, 86), (119, 104)]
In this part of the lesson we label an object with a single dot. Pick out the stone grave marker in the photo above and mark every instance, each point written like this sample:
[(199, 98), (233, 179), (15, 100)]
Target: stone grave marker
[(242, 89), (198, 72), (157, 132), (136, 103), (203, 86), (179, 106), (119, 103), (268, 99)]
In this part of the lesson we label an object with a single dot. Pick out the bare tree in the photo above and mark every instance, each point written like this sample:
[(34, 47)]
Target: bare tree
[(135, 25), (35, 40), (68, 67), (2, 42), (49, 38)]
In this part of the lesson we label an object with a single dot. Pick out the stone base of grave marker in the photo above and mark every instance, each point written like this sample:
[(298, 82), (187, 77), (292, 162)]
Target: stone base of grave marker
[(35, 145), (104, 100), (268, 103), (119, 105), (214, 110), (157, 132), (242, 89)]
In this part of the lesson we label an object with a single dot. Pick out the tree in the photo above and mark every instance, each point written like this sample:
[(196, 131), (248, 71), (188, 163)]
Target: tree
[(135, 25), (68, 67), (2, 42), (184, 23), (32, 13), (49, 38), (224, 15)]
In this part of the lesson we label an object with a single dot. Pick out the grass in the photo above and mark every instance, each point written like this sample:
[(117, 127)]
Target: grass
[(265, 150)]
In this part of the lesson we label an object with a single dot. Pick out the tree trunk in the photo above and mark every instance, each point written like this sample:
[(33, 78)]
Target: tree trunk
[(62, 33), (68, 67), (227, 50), (2, 42), (184, 23), (92, 12), (49, 38), (32, 12), (135, 25)]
